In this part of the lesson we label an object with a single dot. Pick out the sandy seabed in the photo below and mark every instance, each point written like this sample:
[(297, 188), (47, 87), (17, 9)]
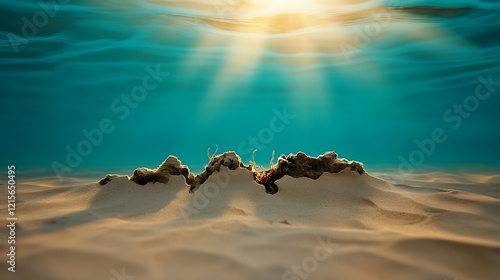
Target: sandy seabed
[(340, 226)]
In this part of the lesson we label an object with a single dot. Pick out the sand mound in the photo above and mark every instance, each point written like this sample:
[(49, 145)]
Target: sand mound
[(296, 166), (339, 226)]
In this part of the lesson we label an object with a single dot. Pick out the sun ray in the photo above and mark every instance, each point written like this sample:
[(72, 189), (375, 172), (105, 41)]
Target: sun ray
[(300, 36)]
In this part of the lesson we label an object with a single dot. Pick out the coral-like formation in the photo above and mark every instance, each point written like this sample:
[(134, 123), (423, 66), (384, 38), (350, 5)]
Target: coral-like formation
[(299, 165), (229, 159), (171, 166), (108, 179)]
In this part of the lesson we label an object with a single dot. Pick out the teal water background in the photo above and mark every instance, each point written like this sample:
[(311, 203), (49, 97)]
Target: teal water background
[(366, 87)]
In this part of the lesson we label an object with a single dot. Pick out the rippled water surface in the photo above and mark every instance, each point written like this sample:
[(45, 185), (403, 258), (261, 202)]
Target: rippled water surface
[(371, 80)]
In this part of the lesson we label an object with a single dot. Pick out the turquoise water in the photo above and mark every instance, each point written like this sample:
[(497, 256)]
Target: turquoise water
[(366, 79)]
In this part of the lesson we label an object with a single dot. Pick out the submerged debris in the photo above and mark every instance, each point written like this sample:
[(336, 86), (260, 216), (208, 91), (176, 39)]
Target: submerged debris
[(171, 166), (286, 222), (302, 165), (296, 166), (108, 179), (229, 159), (267, 178)]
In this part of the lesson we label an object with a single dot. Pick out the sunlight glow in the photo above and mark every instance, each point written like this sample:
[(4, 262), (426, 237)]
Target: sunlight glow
[(310, 34)]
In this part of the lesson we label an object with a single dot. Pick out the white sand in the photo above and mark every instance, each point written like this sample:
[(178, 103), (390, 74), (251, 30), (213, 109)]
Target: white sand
[(341, 226)]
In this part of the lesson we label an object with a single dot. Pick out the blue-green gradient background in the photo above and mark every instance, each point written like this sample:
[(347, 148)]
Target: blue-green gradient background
[(370, 108)]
